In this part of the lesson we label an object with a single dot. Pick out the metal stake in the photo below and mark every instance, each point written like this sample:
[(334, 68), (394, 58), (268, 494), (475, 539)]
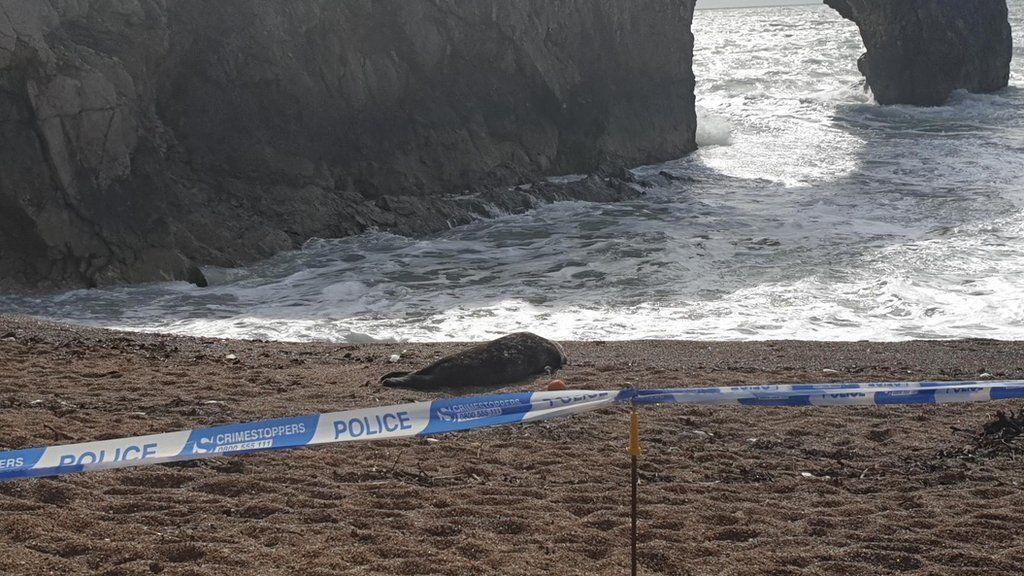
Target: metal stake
[(634, 455)]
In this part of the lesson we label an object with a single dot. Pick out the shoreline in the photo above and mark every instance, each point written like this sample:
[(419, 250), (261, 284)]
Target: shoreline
[(881, 490)]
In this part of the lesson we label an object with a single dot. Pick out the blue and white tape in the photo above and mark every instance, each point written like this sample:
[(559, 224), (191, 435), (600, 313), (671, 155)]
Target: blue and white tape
[(841, 394), (456, 414), (420, 418)]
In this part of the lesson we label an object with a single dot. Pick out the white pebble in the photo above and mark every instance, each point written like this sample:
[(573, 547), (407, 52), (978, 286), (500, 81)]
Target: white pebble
[(395, 358)]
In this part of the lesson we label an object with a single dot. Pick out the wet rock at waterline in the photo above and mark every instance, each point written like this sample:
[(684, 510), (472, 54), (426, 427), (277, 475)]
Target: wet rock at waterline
[(920, 51)]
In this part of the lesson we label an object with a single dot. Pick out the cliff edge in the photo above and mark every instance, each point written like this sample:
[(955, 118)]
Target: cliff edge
[(141, 138)]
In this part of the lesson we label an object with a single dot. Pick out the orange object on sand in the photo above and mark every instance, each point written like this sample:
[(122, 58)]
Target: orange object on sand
[(556, 385)]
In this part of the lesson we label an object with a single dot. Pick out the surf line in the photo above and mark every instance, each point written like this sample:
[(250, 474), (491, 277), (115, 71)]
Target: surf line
[(466, 413)]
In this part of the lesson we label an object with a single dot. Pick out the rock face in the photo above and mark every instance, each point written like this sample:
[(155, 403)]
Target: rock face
[(139, 138), (920, 51)]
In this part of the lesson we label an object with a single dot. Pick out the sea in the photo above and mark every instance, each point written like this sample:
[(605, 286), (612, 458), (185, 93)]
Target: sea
[(809, 212)]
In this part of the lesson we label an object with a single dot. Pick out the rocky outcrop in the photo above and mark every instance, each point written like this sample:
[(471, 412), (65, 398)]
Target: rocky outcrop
[(141, 138), (920, 51)]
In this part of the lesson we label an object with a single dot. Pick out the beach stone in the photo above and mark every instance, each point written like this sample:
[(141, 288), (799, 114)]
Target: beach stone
[(556, 385)]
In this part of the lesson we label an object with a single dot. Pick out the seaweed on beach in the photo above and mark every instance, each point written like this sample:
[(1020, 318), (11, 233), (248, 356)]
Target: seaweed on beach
[(999, 437), (1006, 426), (1002, 435)]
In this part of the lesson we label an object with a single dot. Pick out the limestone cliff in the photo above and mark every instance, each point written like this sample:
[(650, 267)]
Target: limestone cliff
[(920, 51), (139, 138)]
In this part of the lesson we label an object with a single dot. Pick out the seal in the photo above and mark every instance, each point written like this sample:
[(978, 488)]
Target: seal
[(508, 359)]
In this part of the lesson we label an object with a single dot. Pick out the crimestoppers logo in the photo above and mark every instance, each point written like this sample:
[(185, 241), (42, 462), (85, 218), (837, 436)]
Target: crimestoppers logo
[(255, 436), (471, 411)]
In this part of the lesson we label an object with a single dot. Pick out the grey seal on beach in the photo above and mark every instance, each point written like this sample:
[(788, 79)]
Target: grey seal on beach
[(506, 360)]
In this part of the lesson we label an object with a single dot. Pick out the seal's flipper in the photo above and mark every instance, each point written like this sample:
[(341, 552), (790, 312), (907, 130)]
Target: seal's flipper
[(395, 379)]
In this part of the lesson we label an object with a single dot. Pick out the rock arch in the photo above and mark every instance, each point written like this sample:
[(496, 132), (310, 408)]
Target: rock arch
[(920, 51)]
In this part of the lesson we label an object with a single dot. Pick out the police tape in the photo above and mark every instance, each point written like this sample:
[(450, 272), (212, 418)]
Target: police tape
[(457, 414)]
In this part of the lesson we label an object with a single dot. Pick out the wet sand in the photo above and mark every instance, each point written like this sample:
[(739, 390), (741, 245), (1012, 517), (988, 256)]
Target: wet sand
[(725, 491)]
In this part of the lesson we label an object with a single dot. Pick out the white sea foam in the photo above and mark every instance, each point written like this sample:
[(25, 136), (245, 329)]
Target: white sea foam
[(809, 212), (712, 130)]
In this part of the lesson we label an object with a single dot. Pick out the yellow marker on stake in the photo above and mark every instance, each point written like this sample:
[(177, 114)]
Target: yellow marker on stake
[(634, 434)]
